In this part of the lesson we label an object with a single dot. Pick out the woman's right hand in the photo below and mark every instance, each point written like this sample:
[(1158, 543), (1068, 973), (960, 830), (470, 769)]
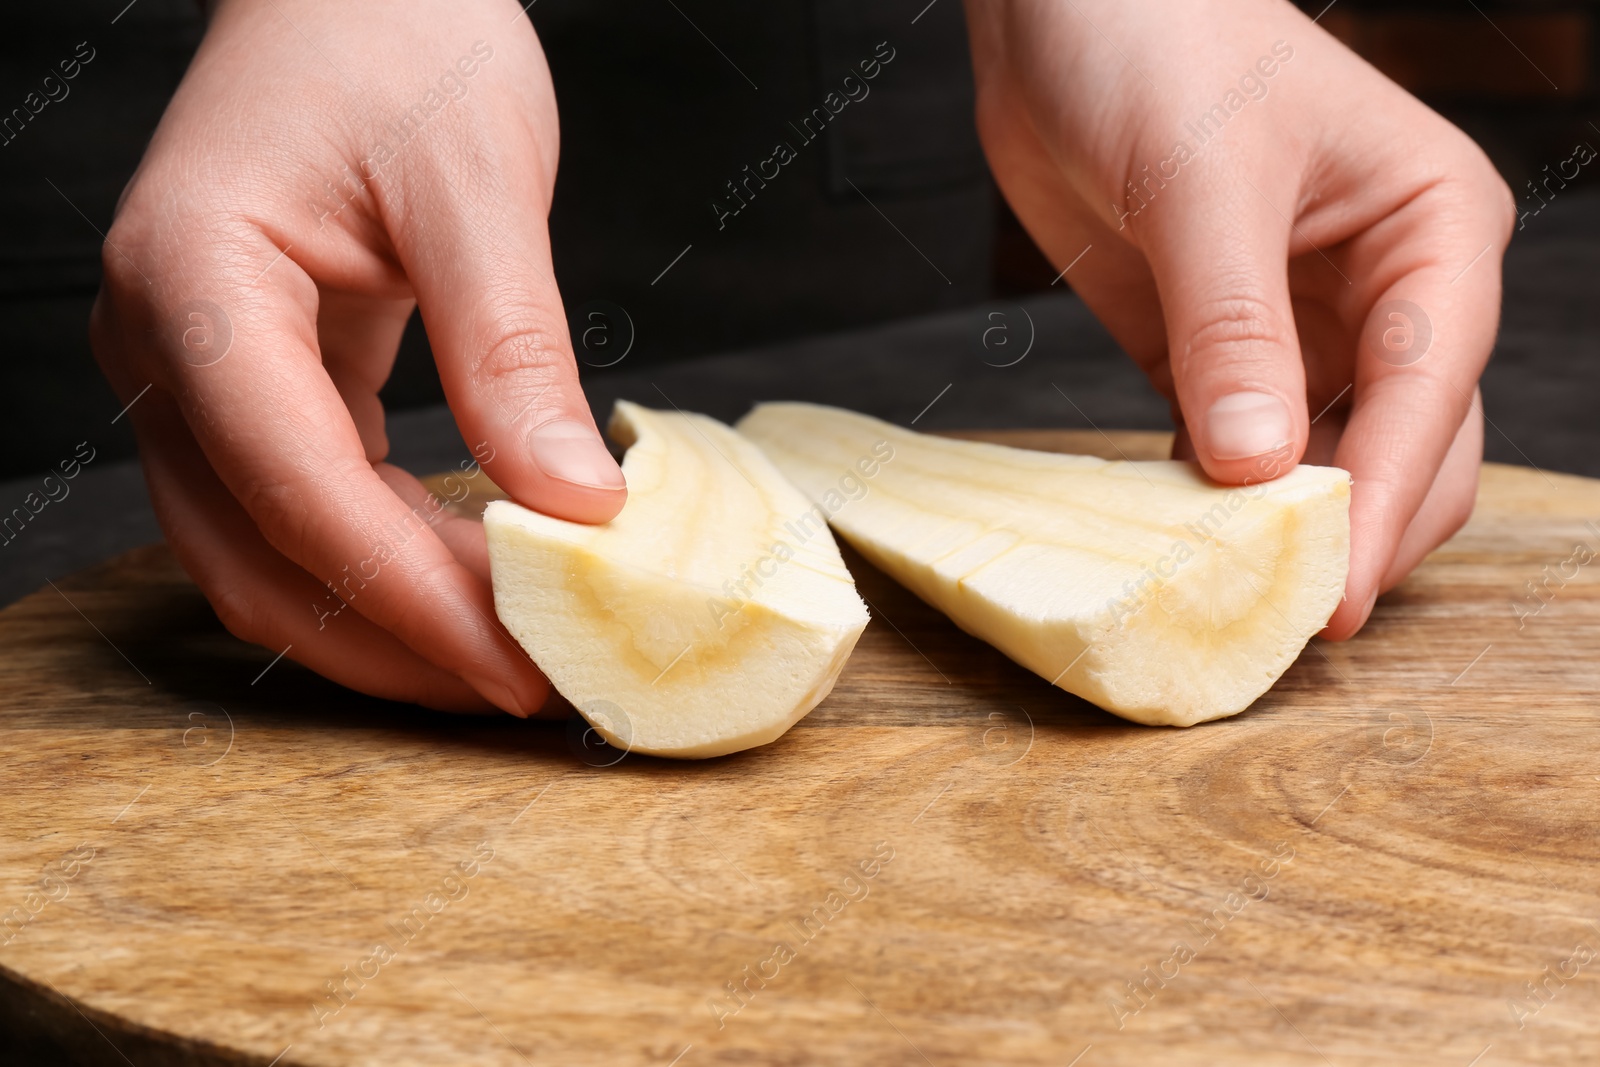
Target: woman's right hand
[(323, 170)]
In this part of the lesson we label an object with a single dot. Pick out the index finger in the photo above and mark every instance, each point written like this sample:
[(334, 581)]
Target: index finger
[(1423, 346)]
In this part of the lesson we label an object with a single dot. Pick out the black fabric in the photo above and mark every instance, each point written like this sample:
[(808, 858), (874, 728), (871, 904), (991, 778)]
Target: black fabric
[(658, 121), (662, 104)]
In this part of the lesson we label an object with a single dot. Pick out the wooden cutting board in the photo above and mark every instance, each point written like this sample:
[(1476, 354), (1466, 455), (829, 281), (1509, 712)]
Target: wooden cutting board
[(948, 862)]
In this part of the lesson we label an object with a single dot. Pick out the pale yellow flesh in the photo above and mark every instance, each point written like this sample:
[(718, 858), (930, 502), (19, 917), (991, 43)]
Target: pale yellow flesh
[(701, 620), (1142, 587)]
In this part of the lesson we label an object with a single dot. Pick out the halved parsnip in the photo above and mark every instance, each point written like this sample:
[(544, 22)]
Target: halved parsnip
[(697, 622), (1142, 587)]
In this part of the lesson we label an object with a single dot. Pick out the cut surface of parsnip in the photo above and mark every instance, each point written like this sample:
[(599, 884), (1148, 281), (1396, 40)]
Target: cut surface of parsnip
[(695, 623), (1140, 586)]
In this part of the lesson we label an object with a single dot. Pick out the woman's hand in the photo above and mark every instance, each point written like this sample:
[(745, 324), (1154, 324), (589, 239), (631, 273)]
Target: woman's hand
[(1295, 251), (322, 170)]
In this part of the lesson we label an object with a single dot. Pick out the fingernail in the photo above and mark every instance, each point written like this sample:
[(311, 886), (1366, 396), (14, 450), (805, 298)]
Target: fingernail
[(497, 694), (1242, 425), (572, 452)]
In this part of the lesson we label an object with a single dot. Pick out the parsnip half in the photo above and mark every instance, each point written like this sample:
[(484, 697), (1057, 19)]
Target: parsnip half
[(696, 622), (1142, 587)]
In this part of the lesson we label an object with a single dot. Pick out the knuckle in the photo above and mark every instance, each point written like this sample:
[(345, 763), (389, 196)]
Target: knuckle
[(1234, 328), (530, 355), (311, 516), (1458, 511), (1506, 207), (118, 264), (281, 509), (236, 610), (1472, 189)]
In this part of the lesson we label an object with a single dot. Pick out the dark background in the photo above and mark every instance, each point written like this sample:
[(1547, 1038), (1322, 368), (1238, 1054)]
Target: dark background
[(654, 120)]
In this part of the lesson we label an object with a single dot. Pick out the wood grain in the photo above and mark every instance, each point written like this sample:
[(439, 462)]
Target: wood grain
[(1368, 867)]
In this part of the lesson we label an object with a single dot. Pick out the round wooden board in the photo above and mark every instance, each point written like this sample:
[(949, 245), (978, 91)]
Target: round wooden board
[(961, 864)]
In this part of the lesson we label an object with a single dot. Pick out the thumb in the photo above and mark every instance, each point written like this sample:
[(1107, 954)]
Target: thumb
[(499, 334), (1234, 353)]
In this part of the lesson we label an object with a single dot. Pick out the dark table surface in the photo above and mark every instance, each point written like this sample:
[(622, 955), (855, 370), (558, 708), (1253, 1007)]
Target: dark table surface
[(1540, 391)]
